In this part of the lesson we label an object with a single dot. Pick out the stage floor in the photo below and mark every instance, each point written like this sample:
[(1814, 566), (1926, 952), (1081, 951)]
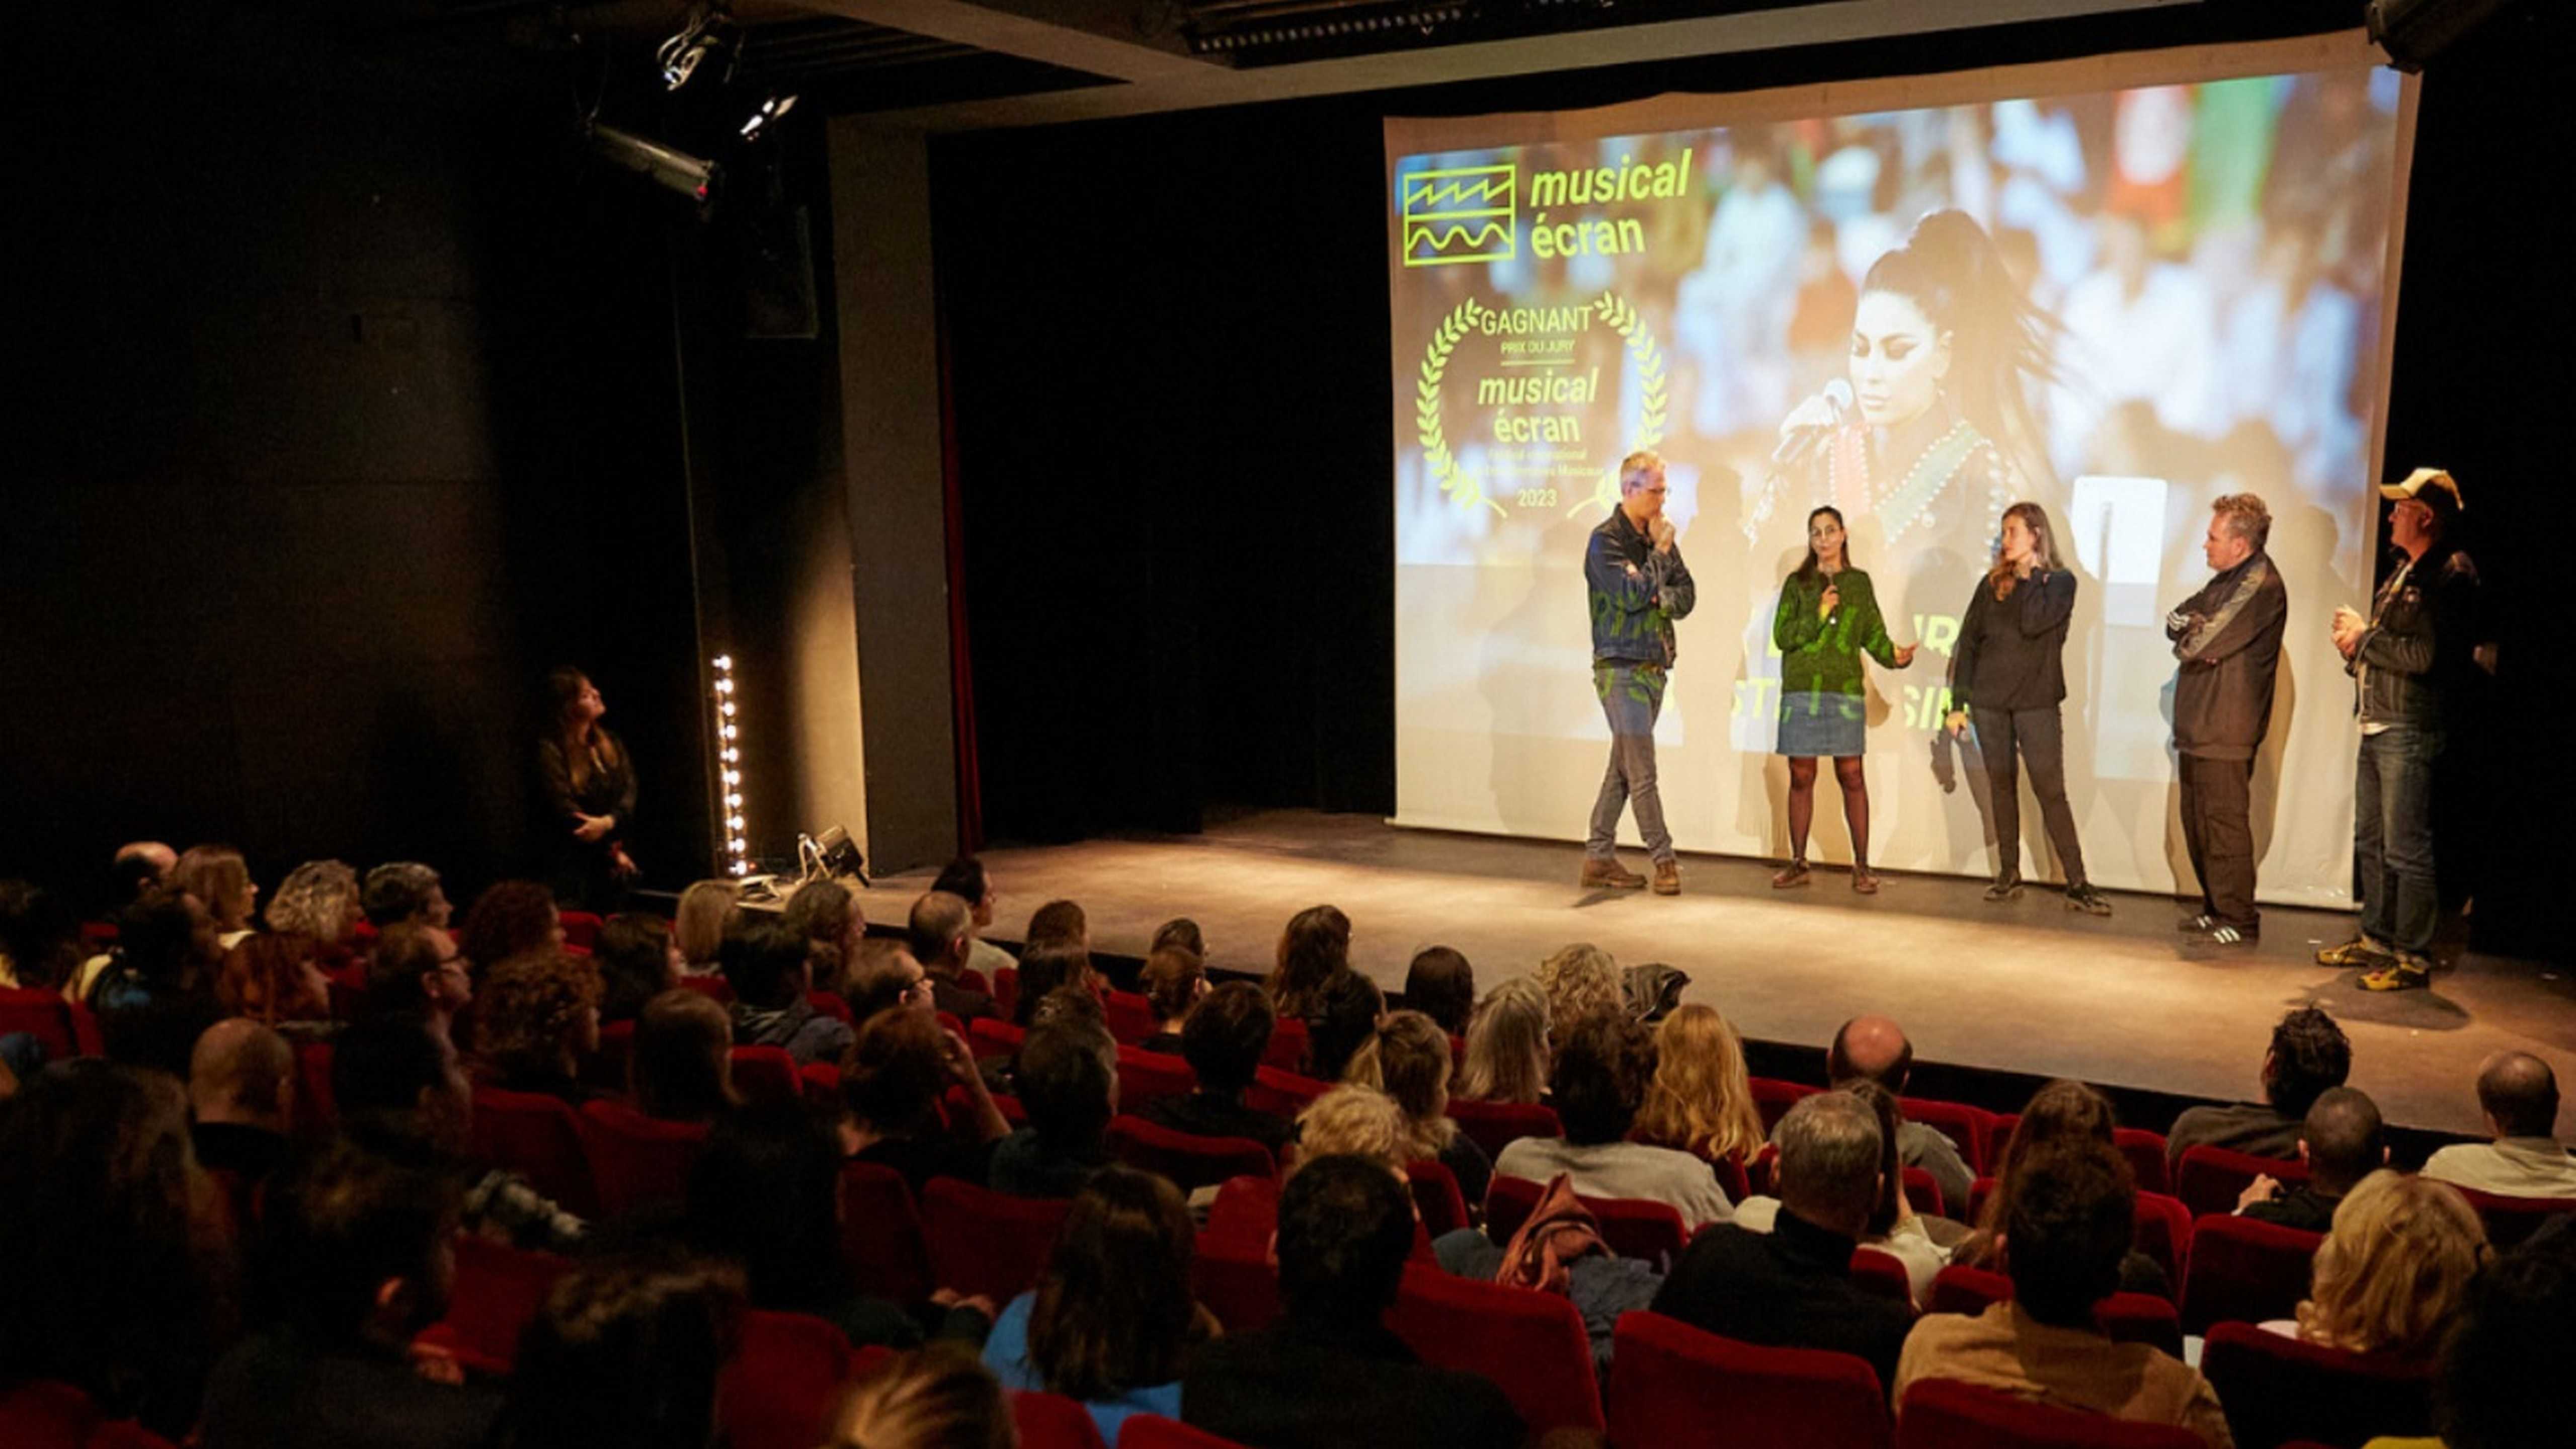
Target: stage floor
[(2024, 986)]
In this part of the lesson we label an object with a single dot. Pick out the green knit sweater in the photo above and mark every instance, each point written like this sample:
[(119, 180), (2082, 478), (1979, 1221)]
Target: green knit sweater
[(1821, 656)]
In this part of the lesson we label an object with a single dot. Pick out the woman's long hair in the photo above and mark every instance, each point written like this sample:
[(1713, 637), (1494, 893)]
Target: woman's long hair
[(1507, 1045), (1581, 980), (2060, 1112), (1807, 568), (1950, 268), (1114, 1311), (1315, 947), (2395, 1268), (217, 877), (585, 750), (1408, 1060), (2001, 577), (1701, 1100)]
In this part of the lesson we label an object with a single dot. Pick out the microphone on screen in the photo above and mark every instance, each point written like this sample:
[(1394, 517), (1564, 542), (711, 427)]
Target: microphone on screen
[(1795, 447)]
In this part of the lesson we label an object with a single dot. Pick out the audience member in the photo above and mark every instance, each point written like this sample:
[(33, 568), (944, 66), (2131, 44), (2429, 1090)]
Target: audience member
[(404, 892), (829, 918), (417, 969), (626, 1352), (2394, 1268), (1894, 1228), (535, 1020), (2068, 1227), (765, 1195), (1068, 1081), (1354, 1121), (399, 1093), (2341, 1141), (886, 976), (941, 935), (1345, 1017), (2059, 1113), (217, 876), (2501, 1383), (39, 938), (241, 1089), (902, 1066), (766, 964), (1223, 1042), (966, 879), (1597, 1084), (1173, 982), (1058, 923), (1441, 985), (588, 797), (2308, 1054), (1581, 981), (940, 1398), (510, 918), (1314, 947), (2519, 1095), (157, 995), (637, 961), (1111, 1319), (1179, 933), (683, 1061), (1328, 1373), (706, 909), (1408, 1060), (1701, 1101), (1874, 1048), (1046, 966), (1507, 1046), (277, 975), (137, 866), (368, 1262), (111, 1285), (1792, 1286)]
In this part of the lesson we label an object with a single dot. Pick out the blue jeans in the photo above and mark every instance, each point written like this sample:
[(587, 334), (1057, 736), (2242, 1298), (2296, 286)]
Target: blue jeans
[(1632, 695), (2392, 837)]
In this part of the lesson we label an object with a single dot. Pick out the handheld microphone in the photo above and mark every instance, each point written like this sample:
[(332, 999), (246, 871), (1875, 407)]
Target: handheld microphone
[(1794, 448)]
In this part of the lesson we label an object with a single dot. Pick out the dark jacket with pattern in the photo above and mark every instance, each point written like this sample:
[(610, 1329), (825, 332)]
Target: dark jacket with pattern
[(2417, 645), (1635, 593), (2228, 637)]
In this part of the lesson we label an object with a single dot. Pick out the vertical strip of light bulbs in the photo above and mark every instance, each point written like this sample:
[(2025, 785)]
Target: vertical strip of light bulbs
[(737, 841)]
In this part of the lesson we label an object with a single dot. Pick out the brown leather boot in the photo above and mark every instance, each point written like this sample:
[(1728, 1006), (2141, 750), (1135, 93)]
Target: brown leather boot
[(1668, 878), (1609, 874)]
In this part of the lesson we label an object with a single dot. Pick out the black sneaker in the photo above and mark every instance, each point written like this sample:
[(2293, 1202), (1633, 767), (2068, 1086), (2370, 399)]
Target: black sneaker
[(2082, 896), (2224, 935), (2202, 922), (2005, 888)]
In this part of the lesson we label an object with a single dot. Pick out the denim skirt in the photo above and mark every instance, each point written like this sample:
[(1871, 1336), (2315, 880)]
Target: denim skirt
[(1813, 722)]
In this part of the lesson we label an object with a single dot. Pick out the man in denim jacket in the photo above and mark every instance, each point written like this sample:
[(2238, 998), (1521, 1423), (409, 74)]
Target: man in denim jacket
[(1637, 585)]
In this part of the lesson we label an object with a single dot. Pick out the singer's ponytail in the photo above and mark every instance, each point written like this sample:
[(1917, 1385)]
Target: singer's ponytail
[(1950, 268)]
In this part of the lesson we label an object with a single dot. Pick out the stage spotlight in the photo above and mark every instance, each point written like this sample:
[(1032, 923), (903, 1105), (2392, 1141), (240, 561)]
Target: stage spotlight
[(709, 30), (677, 170), (770, 110), (2414, 31), (737, 835)]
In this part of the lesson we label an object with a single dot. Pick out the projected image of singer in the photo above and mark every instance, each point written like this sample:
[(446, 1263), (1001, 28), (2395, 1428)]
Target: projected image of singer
[(1924, 436), (2010, 670), (1828, 619), (1637, 585)]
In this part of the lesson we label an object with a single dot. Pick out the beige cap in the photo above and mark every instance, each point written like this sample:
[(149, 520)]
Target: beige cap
[(2432, 485)]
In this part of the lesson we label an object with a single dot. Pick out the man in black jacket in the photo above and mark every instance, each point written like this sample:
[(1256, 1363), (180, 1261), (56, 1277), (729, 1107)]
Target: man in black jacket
[(2228, 637), (1636, 585), (2403, 658)]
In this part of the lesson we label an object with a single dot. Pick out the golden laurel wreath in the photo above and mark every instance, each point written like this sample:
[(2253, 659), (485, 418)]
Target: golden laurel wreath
[(1461, 486), (1622, 319)]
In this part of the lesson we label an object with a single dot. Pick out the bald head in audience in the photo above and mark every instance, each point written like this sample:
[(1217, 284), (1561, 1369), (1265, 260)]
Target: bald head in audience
[(2519, 1094), (2342, 1141), (1829, 1161), (242, 1073), (1871, 1048)]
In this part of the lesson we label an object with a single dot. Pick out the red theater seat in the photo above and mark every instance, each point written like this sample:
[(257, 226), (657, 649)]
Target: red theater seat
[(498, 1291), (830, 1004), (766, 1076), (1443, 1208), (1006, 991), (782, 1382), (2277, 1388), (1131, 1017), (42, 1414), (881, 1234), (611, 1067), (580, 928), (820, 1083), (1287, 1049), (1283, 1093), (1189, 1161), (1052, 1421), (2123, 1317), (63, 1029), (1531, 1344), (2211, 1179), (1651, 1232), (1945, 1414), (2145, 1152), (1497, 1125), (1681, 1388), (539, 1138), (313, 1101), (989, 1037), (1773, 1098), (1924, 1192), (986, 1242), (2164, 1233), (1145, 1076), (1237, 1281), (2509, 1220), (1883, 1274), (1972, 1128), (2244, 1271), (1153, 1431), (637, 1161)]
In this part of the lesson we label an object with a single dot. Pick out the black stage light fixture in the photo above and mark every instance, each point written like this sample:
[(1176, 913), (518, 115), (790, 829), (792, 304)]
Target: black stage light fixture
[(770, 110), (2414, 31), (677, 170), (710, 29)]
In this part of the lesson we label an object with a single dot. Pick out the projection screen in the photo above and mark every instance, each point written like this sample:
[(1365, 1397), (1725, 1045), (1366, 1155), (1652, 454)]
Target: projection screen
[(2211, 238)]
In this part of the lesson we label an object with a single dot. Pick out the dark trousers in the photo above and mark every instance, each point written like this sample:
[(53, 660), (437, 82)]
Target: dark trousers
[(2392, 837), (2037, 737), (2218, 830)]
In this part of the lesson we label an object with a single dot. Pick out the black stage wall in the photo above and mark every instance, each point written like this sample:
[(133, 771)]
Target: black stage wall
[(1168, 338)]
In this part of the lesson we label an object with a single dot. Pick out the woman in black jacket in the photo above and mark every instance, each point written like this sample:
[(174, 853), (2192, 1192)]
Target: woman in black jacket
[(2010, 669)]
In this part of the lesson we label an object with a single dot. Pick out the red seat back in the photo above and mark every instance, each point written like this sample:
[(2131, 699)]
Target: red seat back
[(1531, 1344), (1052, 1421), (714, 987), (2164, 1233), (881, 1234), (1287, 1049), (2509, 1220), (1443, 1208), (2145, 1152), (766, 1076), (830, 1004), (1145, 1076), (1153, 1431), (783, 1381), (1884, 1274), (1130, 1016), (1651, 1232), (2211, 1179), (44, 1414), (539, 1138), (580, 928), (1924, 1192), (611, 1068), (1497, 1125), (1947, 1414), (1281, 1093), (2122, 1317), (986, 1242), (2245, 1271), (637, 1161), (1773, 1098), (1682, 1388), (1006, 991), (315, 1108), (992, 1037), (1972, 1128), (820, 1083), (63, 1029), (498, 1291), (1237, 1282), (2276, 1388), (1189, 1161)]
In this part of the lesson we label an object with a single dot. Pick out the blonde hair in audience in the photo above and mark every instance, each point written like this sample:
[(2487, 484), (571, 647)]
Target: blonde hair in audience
[(1579, 981), (1701, 1100), (699, 927), (2393, 1271), (1507, 1045), (941, 1397), (1408, 1060), (318, 899), (1354, 1119), (217, 876)]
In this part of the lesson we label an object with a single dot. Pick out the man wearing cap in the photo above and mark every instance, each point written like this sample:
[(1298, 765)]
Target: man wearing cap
[(2404, 658)]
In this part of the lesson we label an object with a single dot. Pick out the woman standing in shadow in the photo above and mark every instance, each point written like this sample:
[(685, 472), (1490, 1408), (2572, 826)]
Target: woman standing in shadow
[(589, 796)]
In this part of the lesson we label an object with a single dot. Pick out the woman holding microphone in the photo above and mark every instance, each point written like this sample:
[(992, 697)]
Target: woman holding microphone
[(2010, 669), (1828, 619)]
